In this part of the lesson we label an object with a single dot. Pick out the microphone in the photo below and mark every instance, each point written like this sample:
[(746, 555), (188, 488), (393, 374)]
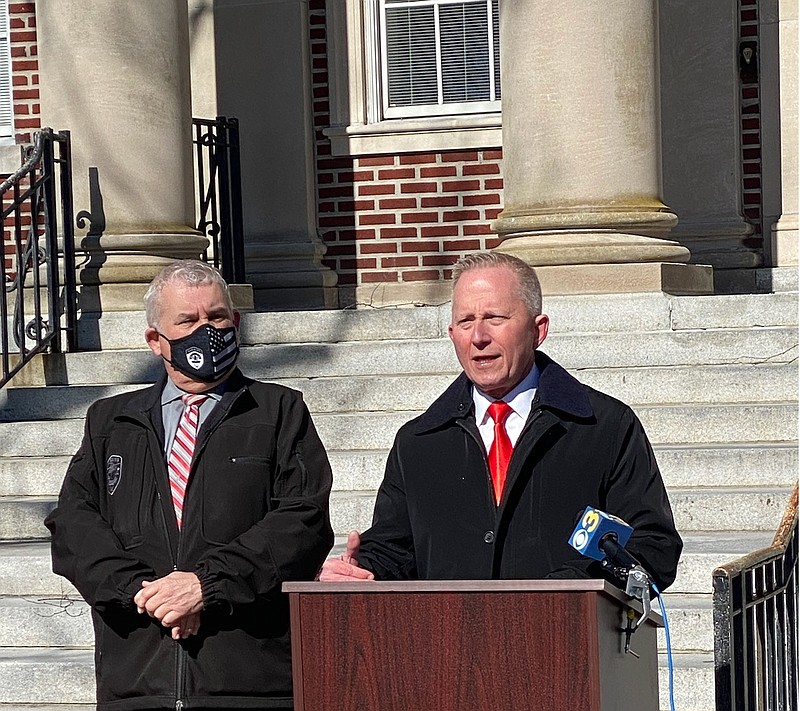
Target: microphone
[(601, 536)]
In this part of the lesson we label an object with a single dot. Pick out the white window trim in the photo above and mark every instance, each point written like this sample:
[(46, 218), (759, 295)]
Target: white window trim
[(356, 126), (6, 130)]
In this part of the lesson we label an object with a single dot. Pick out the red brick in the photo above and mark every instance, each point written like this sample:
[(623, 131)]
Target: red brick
[(23, 37), (440, 171), (19, 8), (397, 203), (421, 275), (27, 123), (336, 250), (461, 215), (376, 190), (438, 260), (439, 231), (358, 176), (396, 174), (373, 277), (751, 109), (398, 232), (417, 218), (20, 94), (18, 80), (493, 242), (19, 65), (751, 153), (752, 183), (752, 198), (358, 263), (387, 262), (749, 16), (748, 31), (322, 107), (324, 178), (460, 186), (493, 154), (485, 199), (458, 156), (477, 229), (317, 33), (334, 221), (461, 245), (378, 248), (481, 169), (356, 234), (750, 139), (320, 92), (407, 188), (493, 184), (491, 213), (420, 246), (16, 23), (417, 158), (376, 160), (335, 163), (345, 278), (19, 51), (383, 218), (753, 213), (337, 191), (750, 93), (441, 201), (356, 205), (326, 207)]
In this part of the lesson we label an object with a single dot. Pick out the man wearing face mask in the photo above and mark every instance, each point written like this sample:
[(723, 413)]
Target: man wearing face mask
[(186, 507)]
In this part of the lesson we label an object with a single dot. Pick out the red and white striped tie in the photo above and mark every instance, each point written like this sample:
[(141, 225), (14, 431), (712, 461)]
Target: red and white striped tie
[(179, 463)]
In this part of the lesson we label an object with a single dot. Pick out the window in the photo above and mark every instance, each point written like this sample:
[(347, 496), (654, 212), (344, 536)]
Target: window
[(6, 103), (439, 57), (413, 75)]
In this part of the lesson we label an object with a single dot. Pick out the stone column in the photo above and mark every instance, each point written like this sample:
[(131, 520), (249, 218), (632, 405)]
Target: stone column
[(702, 145), (264, 78), (581, 148), (116, 74), (779, 121)]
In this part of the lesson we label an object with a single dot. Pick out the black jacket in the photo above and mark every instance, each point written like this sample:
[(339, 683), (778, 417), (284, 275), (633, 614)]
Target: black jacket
[(255, 515), (435, 515)]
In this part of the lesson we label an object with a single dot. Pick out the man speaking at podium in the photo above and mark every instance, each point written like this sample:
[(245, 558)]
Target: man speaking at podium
[(489, 481)]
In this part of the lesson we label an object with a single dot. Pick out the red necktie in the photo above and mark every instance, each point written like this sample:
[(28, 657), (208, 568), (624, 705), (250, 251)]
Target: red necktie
[(501, 449), (179, 463)]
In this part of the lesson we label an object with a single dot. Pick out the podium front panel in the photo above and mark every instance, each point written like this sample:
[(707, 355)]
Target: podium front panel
[(464, 650)]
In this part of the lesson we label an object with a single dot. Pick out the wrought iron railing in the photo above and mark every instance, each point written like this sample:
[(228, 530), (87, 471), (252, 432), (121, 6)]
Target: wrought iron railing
[(35, 306), (755, 625), (219, 183)]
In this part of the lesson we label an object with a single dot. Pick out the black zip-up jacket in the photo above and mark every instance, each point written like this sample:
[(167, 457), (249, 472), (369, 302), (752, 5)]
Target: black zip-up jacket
[(435, 514), (255, 515)]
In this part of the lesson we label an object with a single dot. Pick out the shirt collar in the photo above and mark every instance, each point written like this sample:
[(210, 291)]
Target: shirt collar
[(172, 392), (519, 399)]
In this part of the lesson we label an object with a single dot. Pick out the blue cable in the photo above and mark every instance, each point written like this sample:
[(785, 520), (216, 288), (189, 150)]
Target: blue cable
[(669, 650)]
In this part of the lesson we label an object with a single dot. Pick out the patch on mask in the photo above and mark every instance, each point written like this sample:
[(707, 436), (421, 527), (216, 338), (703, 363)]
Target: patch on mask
[(113, 472), (195, 358)]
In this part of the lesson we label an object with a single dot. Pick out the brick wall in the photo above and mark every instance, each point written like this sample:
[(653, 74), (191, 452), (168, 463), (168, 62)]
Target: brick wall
[(398, 218), (751, 122), (25, 69)]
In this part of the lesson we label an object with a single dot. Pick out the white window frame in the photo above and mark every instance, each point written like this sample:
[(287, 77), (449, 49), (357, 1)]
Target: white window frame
[(358, 124), (6, 87)]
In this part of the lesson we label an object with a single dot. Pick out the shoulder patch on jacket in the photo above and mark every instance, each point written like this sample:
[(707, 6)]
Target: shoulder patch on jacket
[(113, 472)]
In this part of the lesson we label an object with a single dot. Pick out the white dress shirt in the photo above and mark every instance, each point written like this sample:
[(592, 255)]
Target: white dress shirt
[(519, 399)]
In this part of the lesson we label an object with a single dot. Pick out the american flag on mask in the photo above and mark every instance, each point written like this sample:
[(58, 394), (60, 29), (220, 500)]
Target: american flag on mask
[(223, 348)]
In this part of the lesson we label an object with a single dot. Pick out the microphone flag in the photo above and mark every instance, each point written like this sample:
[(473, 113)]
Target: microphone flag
[(593, 527)]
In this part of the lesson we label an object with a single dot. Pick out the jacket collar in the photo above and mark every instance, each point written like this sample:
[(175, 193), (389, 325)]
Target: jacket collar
[(558, 391)]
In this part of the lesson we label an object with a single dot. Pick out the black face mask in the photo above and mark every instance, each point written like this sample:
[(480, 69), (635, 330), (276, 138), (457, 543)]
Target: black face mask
[(206, 354)]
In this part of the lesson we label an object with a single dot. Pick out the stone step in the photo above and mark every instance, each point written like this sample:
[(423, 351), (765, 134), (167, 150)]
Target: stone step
[(435, 356), (682, 466), (694, 682), (26, 571), (654, 385), (45, 622), (691, 623), (668, 424), (697, 510), (598, 313), (40, 676)]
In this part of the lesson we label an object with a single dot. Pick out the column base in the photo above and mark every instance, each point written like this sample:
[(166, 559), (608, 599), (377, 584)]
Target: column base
[(667, 277), (783, 242), (591, 247), (287, 274)]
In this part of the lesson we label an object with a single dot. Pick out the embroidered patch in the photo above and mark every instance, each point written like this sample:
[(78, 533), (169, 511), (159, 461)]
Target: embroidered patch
[(195, 357), (113, 472)]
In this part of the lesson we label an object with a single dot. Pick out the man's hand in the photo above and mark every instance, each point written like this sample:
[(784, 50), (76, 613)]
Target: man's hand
[(344, 568), (171, 598), (186, 626)]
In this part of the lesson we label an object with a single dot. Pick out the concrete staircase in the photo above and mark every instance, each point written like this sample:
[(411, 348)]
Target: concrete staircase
[(714, 380)]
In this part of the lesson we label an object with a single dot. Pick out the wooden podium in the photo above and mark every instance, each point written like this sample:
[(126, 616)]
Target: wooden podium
[(496, 645)]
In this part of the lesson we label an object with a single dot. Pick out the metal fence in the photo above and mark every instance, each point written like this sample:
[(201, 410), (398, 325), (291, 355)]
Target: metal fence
[(755, 625), (37, 305), (219, 186)]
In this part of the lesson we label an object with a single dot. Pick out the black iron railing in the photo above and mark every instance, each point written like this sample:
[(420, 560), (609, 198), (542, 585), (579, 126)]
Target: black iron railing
[(755, 625), (219, 193), (36, 306)]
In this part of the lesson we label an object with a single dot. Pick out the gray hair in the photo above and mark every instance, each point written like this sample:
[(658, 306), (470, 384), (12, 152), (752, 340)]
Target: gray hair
[(187, 271), (528, 287)]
